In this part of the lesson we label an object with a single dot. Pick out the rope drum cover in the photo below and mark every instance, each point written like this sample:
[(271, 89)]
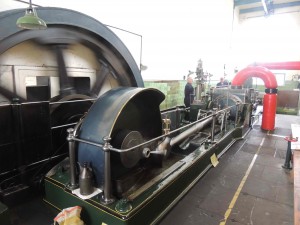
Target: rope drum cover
[(124, 108)]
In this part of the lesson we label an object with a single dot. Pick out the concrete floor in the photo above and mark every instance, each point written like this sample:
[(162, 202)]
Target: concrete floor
[(248, 183)]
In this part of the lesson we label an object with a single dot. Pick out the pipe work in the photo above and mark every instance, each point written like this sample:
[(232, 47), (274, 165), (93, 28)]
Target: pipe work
[(270, 98), (280, 65), (255, 71)]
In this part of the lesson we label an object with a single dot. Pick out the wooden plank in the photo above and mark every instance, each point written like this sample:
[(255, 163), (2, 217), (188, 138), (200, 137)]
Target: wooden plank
[(296, 165), (295, 144)]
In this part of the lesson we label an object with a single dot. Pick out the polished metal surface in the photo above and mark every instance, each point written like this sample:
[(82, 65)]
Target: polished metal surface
[(132, 138)]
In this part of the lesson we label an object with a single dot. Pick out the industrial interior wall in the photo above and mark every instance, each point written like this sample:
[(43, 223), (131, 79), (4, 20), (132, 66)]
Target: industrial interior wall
[(171, 35), (274, 38), (173, 90)]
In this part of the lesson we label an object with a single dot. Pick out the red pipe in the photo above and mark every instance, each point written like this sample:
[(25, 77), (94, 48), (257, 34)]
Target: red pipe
[(255, 71), (262, 71), (269, 111), (270, 99), (280, 65)]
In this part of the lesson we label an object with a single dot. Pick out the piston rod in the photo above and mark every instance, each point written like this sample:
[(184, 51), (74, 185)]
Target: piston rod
[(190, 131)]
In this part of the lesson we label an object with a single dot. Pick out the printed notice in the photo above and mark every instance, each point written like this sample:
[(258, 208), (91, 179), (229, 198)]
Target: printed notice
[(214, 160)]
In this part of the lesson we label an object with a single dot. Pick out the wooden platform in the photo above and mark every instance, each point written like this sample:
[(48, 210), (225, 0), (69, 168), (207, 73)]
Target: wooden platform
[(296, 164), (297, 187)]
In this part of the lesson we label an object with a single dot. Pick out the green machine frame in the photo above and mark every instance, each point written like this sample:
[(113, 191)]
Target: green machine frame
[(156, 199)]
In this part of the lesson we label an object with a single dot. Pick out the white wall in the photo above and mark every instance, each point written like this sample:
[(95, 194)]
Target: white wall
[(175, 34), (268, 39)]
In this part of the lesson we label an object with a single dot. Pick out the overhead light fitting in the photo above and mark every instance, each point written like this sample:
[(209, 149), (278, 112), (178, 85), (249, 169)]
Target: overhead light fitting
[(30, 20), (143, 67)]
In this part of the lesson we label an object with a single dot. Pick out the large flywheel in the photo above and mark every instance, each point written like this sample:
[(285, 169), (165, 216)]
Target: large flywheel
[(67, 31), (54, 76)]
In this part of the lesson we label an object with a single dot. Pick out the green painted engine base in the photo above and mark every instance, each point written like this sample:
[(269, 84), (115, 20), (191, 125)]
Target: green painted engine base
[(4, 214), (154, 202)]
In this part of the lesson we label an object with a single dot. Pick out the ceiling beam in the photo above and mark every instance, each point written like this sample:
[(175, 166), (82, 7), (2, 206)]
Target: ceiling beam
[(264, 4), (275, 6), (245, 2)]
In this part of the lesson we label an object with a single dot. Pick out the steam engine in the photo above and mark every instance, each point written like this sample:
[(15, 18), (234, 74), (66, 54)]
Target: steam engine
[(72, 95)]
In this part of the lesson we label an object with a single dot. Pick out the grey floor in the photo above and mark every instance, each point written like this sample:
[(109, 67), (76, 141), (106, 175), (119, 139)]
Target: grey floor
[(266, 198)]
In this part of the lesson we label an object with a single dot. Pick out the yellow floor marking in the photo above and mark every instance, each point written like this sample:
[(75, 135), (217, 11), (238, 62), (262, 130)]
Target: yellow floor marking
[(276, 135), (238, 191)]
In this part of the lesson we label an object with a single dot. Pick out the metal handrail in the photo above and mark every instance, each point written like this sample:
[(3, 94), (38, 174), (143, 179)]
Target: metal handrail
[(107, 148), (150, 141)]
